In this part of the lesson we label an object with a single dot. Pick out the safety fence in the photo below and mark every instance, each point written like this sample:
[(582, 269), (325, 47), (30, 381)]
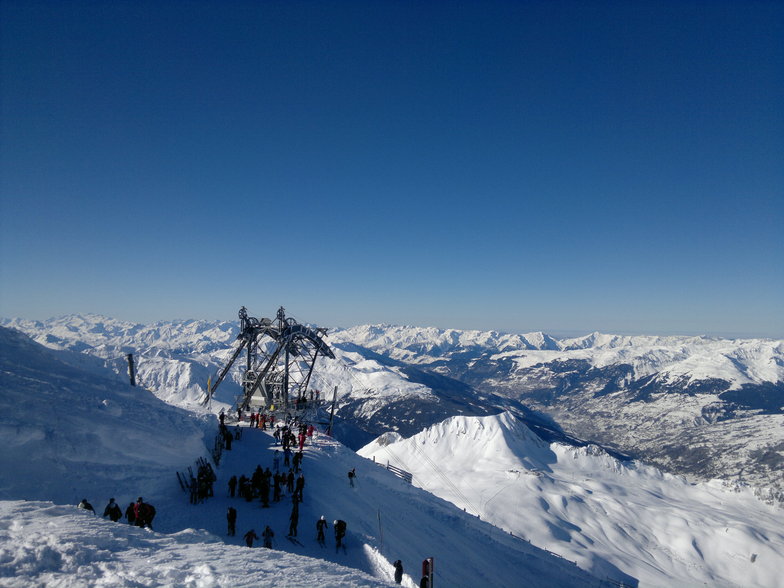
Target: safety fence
[(401, 473), (198, 486)]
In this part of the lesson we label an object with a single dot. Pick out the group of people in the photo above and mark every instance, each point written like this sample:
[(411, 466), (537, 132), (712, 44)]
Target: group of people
[(259, 420), (292, 433), (263, 481), (138, 513)]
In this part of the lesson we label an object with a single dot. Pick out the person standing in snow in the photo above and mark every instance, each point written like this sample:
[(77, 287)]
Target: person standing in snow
[(297, 461), (84, 505), (300, 487), (145, 513), (130, 514), (294, 520), (321, 524), (351, 475), (268, 534), (231, 518), (232, 485), (249, 537), (340, 532), (112, 511), (398, 571), (290, 482)]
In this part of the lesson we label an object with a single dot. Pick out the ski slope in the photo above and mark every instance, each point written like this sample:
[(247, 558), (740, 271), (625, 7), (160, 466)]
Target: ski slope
[(70, 429), (69, 433)]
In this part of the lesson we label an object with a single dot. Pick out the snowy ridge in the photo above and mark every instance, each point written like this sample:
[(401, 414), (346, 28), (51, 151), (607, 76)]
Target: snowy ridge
[(698, 406), (737, 360), (68, 434), (590, 508)]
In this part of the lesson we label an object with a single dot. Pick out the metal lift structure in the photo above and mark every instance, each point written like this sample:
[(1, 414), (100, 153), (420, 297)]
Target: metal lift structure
[(280, 357)]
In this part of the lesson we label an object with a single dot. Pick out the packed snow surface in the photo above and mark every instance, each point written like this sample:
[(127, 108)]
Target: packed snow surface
[(591, 508), (43, 544)]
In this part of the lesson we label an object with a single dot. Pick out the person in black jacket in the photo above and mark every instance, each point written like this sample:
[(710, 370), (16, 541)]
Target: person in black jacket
[(321, 524), (398, 571), (294, 520), (268, 534), (113, 511), (340, 532), (130, 513), (249, 537), (231, 517), (84, 505)]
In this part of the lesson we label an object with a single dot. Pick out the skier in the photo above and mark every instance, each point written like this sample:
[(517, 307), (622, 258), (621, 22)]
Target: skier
[(300, 487), (231, 517), (84, 505), (268, 534), (112, 511), (398, 571), (340, 532), (321, 524), (351, 475), (249, 537), (294, 518), (232, 485)]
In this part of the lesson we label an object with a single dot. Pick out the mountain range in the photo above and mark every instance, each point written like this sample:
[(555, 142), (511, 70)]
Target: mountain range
[(436, 403), (703, 407)]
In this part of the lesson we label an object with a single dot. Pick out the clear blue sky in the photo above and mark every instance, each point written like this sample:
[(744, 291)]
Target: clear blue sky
[(556, 166)]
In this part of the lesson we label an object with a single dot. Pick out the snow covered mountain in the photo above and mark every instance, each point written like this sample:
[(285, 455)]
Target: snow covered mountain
[(698, 406), (69, 433), (591, 508)]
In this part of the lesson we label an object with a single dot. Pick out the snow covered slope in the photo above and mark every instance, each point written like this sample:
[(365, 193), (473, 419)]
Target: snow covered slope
[(69, 433), (698, 406), (590, 508), (43, 544)]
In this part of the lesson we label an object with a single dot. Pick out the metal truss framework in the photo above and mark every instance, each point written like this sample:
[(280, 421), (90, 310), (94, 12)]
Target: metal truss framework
[(280, 357)]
